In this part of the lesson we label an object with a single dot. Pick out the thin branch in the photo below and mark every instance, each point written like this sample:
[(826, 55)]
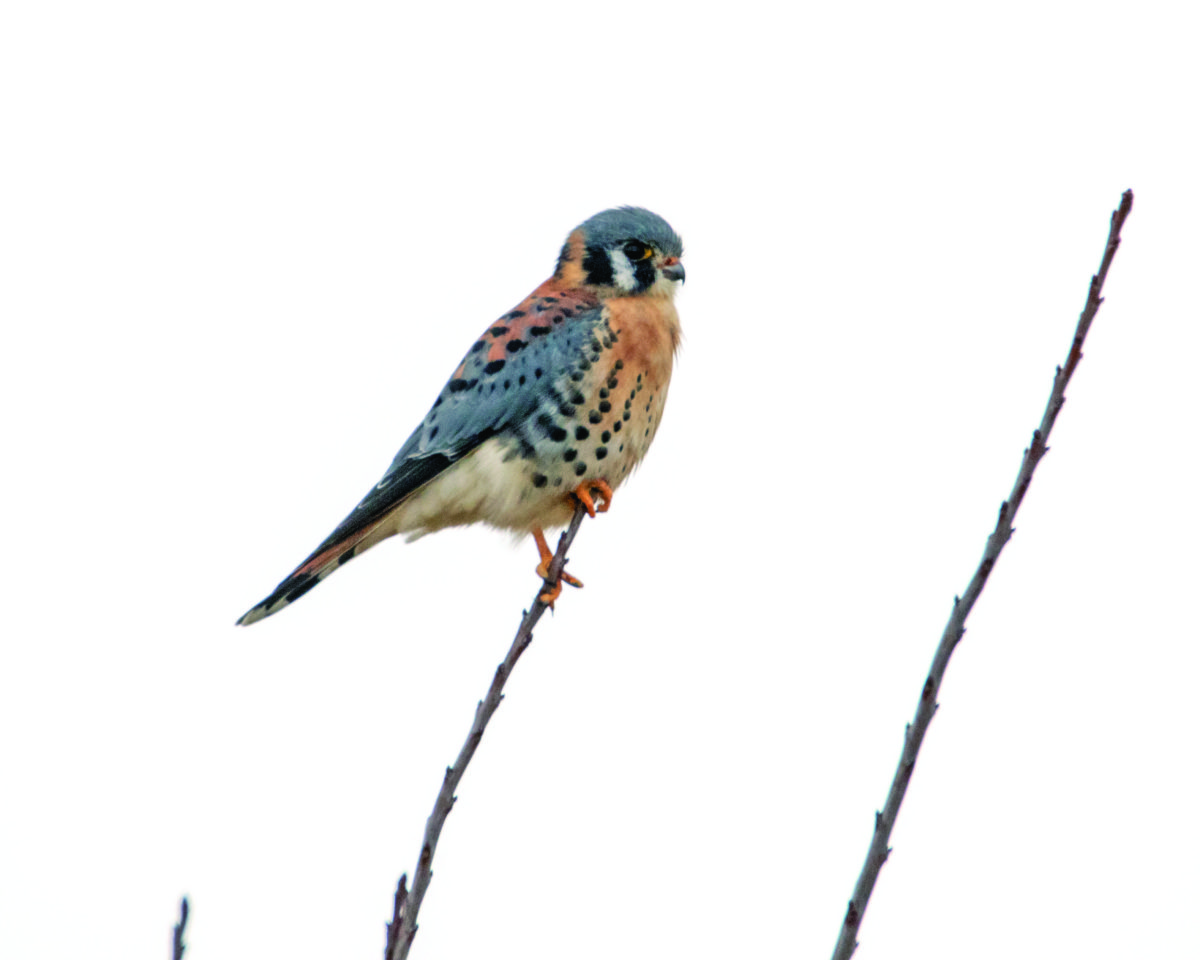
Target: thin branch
[(177, 944), (403, 928), (915, 732)]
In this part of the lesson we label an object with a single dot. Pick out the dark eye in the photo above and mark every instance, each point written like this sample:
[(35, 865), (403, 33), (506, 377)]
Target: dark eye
[(635, 250)]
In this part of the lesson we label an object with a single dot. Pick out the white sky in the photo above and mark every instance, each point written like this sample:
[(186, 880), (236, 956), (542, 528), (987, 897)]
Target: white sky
[(242, 246)]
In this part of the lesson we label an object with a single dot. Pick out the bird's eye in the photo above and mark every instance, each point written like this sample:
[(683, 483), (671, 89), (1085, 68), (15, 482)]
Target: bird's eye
[(635, 250)]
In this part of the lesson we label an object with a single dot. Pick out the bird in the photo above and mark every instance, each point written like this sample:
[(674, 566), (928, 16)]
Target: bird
[(554, 404)]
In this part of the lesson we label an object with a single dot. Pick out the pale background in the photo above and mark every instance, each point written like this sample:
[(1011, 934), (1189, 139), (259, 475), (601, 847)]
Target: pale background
[(243, 245)]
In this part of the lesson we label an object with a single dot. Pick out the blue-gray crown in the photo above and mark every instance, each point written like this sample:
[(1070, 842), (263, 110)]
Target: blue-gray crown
[(611, 227)]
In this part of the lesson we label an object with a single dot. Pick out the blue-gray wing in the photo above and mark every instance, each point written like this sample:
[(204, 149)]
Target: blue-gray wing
[(524, 358)]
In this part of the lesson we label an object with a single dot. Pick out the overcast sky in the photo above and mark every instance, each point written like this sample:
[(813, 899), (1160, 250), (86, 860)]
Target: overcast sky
[(242, 245)]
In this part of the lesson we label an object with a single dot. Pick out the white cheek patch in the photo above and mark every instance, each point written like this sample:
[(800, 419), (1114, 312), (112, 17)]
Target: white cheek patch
[(623, 278)]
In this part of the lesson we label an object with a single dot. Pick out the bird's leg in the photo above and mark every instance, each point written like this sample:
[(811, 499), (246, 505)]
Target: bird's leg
[(543, 570), (583, 493)]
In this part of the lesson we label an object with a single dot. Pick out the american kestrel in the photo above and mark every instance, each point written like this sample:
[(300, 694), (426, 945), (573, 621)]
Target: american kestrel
[(555, 403)]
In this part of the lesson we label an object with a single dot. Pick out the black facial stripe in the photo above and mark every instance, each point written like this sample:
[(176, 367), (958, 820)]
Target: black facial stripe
[(598, 267), (644, 273)]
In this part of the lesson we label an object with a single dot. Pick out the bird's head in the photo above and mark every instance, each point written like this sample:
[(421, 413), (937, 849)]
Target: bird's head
[(626, 251)]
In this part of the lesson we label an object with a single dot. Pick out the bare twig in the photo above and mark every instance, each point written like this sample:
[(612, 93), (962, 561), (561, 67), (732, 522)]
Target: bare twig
[(177, 945), (915, 732), (403, 927)]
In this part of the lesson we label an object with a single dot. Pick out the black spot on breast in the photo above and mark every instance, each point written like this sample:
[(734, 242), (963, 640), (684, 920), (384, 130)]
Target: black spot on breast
[(551, 429), (507, 384), (619, 365), (515, 346), (612, 383), (594, 417), (521, 380), (540, 479), (458, 385), (582, 433), (605, 437), (498, 331), (576, 396), (570, 454), (537, 373), (539, 331), (580, 469), (514, 314), (577, 376), (625, 415), (605, 406), (479, 345), (566, 409), (604, 393), (616, 426), (601, 453), (494, 367)]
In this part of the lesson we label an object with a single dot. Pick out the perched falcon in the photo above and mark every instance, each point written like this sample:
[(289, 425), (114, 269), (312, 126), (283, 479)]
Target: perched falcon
[(555, 403)]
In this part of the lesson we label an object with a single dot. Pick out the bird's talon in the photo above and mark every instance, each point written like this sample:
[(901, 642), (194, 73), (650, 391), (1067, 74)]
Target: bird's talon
[(553, 587), (583, 493)]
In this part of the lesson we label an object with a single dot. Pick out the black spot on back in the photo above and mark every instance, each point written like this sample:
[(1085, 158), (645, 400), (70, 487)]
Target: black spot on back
[(494, 367)]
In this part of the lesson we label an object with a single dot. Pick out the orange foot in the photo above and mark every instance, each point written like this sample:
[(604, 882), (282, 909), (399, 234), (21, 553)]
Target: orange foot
[(543, 570), (583, 493)]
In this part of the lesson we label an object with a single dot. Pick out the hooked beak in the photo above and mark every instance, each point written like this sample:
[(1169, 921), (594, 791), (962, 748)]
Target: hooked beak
[(673, 270)]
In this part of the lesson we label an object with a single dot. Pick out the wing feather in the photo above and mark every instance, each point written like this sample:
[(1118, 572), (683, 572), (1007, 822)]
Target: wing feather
[(506, 375)]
